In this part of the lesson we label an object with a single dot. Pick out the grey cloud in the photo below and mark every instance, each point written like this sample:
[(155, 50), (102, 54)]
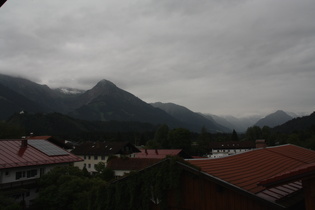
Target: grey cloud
[(199, 54)]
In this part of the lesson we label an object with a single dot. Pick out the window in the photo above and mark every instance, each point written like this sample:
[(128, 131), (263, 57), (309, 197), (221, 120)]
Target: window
[(103, 157), (89, 165), (31, 173), (95, 157), (27, 194), (18, 175), (25, 174), (7, 173), (42, 171), (89, 157)]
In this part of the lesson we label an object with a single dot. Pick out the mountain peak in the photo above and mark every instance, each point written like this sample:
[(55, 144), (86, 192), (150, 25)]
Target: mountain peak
[(104, 87), (279, 112), (277, 118), (105, 83)]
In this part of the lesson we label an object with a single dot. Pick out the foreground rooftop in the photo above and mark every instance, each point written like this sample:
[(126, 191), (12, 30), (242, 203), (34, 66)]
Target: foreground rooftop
[(248, 170)]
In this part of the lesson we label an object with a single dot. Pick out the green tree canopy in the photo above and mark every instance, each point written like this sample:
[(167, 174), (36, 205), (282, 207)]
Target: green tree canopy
[(103, 172), (234, 136), (161, 136), (179, 138), (66, 188), (253, 133), (8, 131), (7, 203)]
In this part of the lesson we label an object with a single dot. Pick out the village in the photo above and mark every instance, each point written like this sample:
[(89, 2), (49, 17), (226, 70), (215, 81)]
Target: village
[(236, 174), (157, 105)]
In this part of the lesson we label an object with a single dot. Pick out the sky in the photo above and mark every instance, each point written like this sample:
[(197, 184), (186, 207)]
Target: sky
[(223, 57)]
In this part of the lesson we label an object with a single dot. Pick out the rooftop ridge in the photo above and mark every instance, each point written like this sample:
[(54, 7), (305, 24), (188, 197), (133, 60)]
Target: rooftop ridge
[(279, 153)]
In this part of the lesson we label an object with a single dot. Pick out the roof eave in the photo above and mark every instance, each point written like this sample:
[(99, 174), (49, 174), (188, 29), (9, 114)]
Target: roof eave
[(228, 185), (41, 164)]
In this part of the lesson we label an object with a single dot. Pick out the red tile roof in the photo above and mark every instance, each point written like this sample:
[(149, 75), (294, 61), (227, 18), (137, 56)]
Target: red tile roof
[(131, 163), (288, 176), (278, 192), (12, 155), (246, 170), (159, 153)]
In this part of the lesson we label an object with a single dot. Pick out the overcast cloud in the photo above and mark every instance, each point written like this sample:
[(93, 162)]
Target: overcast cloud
[(237, 57)]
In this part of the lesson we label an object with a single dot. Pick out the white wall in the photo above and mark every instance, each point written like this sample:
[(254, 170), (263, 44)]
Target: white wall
[(120, 173), (9, 175), (90, 161), (218, 153)]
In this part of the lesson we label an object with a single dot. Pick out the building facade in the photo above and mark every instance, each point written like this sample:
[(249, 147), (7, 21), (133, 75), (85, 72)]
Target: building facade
[(23, 162), (94, 152)]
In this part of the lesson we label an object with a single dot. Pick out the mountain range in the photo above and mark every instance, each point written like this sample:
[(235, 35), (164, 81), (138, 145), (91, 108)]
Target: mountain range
[(297, 124), (239, 124), (107, 102), (190, 119), (274, 119)]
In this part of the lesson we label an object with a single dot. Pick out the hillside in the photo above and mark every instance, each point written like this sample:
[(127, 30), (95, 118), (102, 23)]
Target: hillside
[(42, 95), (234, 123), (63, 125), (297, 124), (105, 101), (191, 119), (12, 102), (277, 118)]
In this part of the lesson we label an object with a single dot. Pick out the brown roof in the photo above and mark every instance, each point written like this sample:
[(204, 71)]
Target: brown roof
[(161, 153), (131, 163), (246, 170), (104, 148), (40, 137)]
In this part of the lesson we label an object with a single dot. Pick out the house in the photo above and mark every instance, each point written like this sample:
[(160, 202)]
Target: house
[(222, 149), (305, 173), (123, 166), (256, 179), (161, 153), (24, 161), (94, 152), (246, 171)]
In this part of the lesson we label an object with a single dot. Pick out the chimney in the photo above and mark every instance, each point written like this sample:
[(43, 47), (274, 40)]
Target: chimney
[(260, 144), (23, 143)]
